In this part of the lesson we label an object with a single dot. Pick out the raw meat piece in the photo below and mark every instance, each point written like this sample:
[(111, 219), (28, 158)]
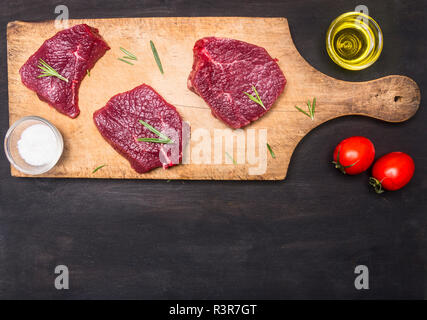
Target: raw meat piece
[(71, 53), (118, 122), (225, 68)]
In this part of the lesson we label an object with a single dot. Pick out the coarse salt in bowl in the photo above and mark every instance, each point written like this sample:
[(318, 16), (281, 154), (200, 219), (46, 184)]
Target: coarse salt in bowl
[(33, 145)]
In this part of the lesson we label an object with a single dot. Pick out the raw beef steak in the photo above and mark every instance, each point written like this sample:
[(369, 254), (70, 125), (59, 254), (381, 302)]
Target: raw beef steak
[(224, 69), (71, 52), (118, 122)]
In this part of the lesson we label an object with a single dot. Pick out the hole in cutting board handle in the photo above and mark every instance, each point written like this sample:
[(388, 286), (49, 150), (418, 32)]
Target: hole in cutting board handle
[(397, 98)]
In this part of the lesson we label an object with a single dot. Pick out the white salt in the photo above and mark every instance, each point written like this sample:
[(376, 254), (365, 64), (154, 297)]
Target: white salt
[(37, 145)]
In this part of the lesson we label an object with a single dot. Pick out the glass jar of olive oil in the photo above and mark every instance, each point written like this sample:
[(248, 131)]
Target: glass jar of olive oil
[(354, 41)]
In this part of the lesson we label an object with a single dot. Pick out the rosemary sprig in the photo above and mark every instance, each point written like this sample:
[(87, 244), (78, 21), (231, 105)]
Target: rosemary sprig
[(311, 109), (129, 55), (48, 71), (230, 157), (271, 151), (256, 99), (153, 130), (164, 138), (123, 60), (97, 168), (156, 56)]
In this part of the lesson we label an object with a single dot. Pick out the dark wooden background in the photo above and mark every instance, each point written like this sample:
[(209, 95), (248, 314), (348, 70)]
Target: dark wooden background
[(299, 238)]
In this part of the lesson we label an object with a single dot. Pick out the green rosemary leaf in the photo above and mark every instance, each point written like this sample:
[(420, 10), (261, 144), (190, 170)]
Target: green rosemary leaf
[(123, 60), (231, 158), (251, 97), (153, 130), (97, 168), (154, 140), (310, 109), (257, 95), (299, 109), (156, 56), (88, 72), (309, 105), (271, 151), (313, 105)]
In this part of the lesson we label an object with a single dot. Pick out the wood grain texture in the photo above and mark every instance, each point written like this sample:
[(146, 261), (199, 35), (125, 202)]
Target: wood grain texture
[(393, 98)]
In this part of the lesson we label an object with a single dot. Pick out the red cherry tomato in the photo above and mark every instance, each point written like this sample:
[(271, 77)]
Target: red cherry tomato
[(354, 155), (392, 171)]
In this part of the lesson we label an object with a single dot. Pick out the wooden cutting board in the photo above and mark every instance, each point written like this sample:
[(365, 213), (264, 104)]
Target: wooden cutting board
[(393, 98)]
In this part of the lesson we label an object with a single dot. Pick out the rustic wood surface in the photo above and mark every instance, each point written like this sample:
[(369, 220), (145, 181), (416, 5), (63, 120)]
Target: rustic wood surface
[(393, 98), (298, 238)]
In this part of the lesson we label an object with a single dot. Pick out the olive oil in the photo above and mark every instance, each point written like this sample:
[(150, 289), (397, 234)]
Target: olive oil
[(354, 41)]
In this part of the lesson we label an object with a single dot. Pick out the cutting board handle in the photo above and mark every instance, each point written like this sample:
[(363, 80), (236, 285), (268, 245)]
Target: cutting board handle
[(393, 98)]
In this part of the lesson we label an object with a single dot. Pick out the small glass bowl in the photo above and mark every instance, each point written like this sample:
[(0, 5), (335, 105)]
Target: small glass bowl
[(11, 145), (369, 28)]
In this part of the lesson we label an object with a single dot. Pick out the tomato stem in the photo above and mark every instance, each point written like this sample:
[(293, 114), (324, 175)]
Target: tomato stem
[(338, 164), (376, 184)]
